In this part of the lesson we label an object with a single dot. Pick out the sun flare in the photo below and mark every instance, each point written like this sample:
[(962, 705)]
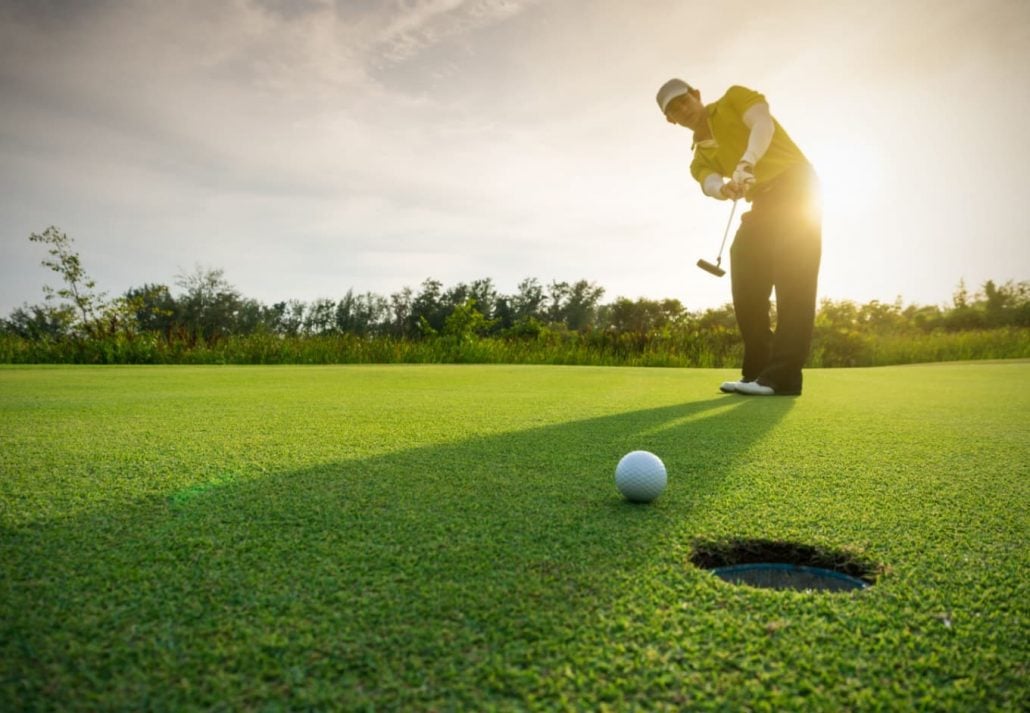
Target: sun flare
[(850, 175)]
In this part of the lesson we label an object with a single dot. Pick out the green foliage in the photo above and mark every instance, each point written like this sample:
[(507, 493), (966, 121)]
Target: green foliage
[(574, 305), (641, 316), (440, 538), (564, 323), (154, 308), (78, 292), (465, 322), (209, 308), (361, 314), (40, 322)]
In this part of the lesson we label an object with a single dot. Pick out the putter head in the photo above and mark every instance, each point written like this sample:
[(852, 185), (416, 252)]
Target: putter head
[(709, 267)]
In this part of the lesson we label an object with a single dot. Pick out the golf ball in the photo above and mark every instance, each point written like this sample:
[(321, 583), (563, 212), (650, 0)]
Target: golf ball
[(640, 476)]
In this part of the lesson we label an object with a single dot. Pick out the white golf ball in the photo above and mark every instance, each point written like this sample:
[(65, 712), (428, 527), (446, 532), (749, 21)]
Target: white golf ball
[(640, 476)]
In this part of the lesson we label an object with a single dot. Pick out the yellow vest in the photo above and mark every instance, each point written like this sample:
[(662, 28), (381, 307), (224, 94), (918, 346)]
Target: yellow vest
[(730, 134)]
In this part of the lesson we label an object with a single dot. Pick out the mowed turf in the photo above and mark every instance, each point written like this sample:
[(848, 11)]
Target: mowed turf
[(450, 537)]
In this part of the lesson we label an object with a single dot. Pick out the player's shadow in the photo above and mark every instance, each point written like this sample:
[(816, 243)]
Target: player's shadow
[(478, 549)]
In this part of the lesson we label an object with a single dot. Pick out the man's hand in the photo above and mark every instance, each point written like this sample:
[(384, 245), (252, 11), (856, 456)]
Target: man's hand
[(743, 177), (732, 191)]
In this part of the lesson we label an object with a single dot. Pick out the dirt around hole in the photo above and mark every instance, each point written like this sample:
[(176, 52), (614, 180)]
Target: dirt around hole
[(733, 555)]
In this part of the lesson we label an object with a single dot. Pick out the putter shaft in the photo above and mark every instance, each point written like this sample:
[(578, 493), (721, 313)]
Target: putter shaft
[(718, 260), (716, 269)]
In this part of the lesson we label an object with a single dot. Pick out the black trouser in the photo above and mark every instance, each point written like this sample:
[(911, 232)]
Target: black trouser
[(778, 245)]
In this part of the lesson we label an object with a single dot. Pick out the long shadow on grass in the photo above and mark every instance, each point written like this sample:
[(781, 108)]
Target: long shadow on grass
[(420, 578)]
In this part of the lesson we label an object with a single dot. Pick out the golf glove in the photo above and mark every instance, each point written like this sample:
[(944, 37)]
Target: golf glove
[(744, 176), (715, 187), (731, 191)]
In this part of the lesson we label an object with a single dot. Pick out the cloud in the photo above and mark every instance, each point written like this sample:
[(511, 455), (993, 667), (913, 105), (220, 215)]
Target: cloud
[(377, 139), (414, 26), (241, 84), (279, 116)]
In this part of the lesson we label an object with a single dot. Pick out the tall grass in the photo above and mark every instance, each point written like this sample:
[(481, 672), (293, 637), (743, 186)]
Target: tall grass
[(714, 348), (854, 349)]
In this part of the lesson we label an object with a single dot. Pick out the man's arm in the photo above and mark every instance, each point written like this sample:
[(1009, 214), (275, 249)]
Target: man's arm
[(759, 120)]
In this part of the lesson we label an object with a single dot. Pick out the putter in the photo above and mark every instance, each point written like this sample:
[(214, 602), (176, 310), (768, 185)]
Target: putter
[(716, 269)]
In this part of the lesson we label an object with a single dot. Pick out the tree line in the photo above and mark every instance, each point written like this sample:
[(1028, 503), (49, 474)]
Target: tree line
[(206, 309)]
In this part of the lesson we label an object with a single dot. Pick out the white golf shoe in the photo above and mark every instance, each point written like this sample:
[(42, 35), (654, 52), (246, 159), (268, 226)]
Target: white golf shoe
[(753, 388), (729, 387)]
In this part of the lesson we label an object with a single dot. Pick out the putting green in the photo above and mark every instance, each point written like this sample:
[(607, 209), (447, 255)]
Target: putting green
[(450, 537)]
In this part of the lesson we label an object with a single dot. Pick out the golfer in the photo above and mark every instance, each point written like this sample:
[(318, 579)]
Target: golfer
[(740, 151)]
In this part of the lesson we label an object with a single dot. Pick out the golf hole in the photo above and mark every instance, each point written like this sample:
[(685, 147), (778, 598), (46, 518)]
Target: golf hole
[(770, 564)]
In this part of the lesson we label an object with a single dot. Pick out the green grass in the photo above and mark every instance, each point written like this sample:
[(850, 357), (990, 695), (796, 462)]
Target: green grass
[(714, 347), (449, 537)]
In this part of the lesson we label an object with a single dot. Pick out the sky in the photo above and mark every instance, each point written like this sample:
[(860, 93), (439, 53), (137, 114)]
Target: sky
[(309, 147)]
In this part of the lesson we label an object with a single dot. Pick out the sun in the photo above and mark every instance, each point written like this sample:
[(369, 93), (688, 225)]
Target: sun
[(850, 173)]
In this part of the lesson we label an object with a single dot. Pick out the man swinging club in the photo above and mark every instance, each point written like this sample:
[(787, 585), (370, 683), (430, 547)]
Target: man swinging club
[(779, 242)]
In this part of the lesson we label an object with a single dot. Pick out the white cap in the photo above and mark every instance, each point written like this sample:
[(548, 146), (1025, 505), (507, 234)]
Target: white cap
[(670, 90)]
